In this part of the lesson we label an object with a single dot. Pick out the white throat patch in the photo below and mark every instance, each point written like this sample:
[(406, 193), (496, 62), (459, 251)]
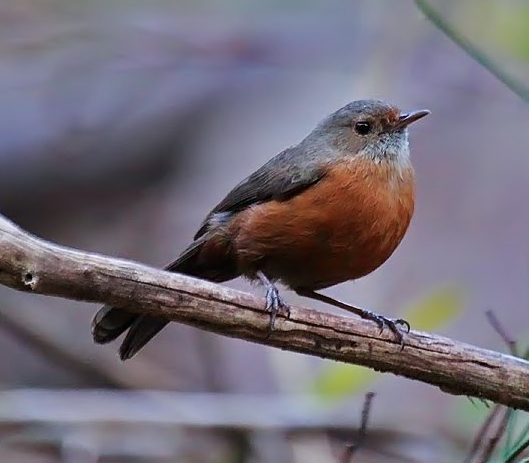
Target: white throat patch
[(390, 147)]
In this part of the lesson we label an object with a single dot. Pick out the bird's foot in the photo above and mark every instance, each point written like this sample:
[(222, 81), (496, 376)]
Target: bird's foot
[(398, 326), (383, 322), (274, 302)]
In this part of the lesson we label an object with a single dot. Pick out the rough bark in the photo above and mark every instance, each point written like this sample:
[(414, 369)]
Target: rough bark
[(30, 264)]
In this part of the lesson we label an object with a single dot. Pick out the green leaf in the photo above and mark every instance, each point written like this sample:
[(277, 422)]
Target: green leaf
[(435, 310), (522, 437), (338, 380)]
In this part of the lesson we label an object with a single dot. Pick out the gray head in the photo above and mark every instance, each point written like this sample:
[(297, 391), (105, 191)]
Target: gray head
[(368, 128)]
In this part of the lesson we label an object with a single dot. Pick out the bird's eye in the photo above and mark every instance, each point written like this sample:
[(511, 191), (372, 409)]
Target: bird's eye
[(362, 127)]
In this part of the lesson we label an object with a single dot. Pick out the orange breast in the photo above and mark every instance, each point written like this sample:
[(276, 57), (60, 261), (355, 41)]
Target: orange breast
[(339, 229)]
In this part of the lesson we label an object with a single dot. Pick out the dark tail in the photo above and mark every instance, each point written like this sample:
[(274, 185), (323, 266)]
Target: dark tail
[(206, 258)]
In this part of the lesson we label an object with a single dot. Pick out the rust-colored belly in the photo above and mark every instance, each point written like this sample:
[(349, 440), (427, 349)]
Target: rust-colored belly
[(340, 229)]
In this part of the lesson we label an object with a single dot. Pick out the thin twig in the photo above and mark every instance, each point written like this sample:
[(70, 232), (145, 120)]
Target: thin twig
[(508, 340), (482, 432), (508, 420), (495, 439), (512, 347), (351, 449), (467, 46)]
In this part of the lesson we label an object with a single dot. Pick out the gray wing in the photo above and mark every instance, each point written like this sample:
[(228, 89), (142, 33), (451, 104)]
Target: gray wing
[(284, 176)]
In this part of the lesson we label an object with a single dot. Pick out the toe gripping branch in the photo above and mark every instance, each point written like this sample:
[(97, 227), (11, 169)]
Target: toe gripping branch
[(274, 302), (398, 326)]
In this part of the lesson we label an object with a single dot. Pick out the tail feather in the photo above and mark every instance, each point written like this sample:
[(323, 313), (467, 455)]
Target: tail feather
[(144, 328), (110, 322)]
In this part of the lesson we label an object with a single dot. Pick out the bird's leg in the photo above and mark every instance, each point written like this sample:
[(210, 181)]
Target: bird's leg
[(380, 320), (274, 303)]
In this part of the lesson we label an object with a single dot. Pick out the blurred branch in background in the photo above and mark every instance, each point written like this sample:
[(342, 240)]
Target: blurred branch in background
[(169, 408), (51, 350), (30, 264), (72, 358), (437, 20), (94, 415)]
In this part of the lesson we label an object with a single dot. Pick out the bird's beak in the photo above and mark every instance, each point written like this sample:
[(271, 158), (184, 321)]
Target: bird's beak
[(407, 118)]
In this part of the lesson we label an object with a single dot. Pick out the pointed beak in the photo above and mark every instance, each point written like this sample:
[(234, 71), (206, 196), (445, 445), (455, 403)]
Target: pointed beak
[(407, 118)]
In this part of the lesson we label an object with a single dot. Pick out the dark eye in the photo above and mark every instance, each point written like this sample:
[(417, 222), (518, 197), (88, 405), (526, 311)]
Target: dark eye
[(363, 127)]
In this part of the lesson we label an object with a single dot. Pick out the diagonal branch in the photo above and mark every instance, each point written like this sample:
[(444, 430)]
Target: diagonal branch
[(466, 45), (30, 264)]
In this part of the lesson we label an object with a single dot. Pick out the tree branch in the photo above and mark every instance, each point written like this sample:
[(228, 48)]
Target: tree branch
[(467, 46), (30, 264)]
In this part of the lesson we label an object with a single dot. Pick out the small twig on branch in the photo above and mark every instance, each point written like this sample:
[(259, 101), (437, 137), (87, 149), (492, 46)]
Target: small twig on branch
[(510, 343), (30, 264), (351, 449)]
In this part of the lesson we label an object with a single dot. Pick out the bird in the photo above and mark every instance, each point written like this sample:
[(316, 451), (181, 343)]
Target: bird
[(330, 209)]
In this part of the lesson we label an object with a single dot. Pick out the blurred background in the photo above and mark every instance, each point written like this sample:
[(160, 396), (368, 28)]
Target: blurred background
[(122, 123)]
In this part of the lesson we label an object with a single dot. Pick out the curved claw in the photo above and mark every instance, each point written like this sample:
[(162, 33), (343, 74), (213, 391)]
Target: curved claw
[(380, 320), (403, 323), (391, 323), (274, 304)]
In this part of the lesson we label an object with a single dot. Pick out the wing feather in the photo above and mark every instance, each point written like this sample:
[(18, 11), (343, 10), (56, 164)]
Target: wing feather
[(279, 179)]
